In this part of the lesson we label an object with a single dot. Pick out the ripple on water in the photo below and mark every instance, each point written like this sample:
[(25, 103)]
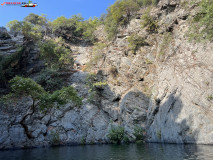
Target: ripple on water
[(114, 152)]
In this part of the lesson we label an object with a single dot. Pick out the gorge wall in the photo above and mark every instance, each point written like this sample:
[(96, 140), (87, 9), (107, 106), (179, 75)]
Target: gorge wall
[(166, 87)]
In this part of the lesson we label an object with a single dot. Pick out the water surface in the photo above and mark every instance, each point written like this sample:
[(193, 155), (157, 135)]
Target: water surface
[(113, 152)]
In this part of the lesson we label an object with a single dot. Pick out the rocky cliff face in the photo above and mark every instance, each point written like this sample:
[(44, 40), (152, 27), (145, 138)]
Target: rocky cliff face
[(166, 87), (26, 63)]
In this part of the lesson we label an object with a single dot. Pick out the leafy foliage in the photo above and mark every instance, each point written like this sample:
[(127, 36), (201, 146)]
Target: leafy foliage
[(27, 87), (135, 42), (88, 27), (149, 22), (93, 85), (126, 139), (148, 2), (7, 63), (83, 140), (75, 28), (159, 134), (59, 98), (36, 19), (116, 134), (14, 26), (55, 139), (121, 12), (202, 27), (67, 28), (50, 79), (97, 55), (138, 133), (55, 55), (32, 27)]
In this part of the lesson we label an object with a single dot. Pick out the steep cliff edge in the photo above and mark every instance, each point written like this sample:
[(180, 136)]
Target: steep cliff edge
[(174, 73), (166, 87)]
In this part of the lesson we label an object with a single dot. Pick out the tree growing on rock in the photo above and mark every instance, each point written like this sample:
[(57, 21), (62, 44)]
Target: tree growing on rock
[(33, 26), (55, 55), (119, 14), (26, 87)]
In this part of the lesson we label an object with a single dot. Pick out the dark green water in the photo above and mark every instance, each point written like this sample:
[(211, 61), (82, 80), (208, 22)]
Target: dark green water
[(113, 152)]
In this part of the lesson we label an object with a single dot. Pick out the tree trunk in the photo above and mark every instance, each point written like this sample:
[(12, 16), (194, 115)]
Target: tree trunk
[(22, 122)]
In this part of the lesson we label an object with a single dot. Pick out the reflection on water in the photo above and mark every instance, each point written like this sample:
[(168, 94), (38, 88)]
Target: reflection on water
[(113, 152)]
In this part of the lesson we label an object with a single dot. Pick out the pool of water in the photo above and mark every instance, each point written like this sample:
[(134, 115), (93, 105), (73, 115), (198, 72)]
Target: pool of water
[(113, 152)]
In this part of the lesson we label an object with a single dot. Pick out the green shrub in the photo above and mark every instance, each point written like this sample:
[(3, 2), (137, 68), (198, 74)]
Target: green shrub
[(147, 2), (155, 2), (14, 26), (27, 87), (97, 55), (210, 97), (23, 87), (75, 28), (159, 134), (36, 19), (167, 38), (33, 27), (135, 42), (93, 85), (116, 134), (67, 28), (138, 133), (7, 66), (126, 139), (88, 27), (55, 56), (119, 14), (50, 79), (202, 27), (59, 98), (55, 139), (149, 22), (83, 140), (111, 28)]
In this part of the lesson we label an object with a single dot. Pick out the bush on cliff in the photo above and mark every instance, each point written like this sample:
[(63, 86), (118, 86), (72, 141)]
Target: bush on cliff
[(138, 133), (33, 27), (202, 27), (94, 86), (116, 134), (75, 28), (55, 55), (88, 28), (149, 22), (67, 28), (8, 66), (121, 12), (135, 42), (27, 87), (50, 79), (97, 56)]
